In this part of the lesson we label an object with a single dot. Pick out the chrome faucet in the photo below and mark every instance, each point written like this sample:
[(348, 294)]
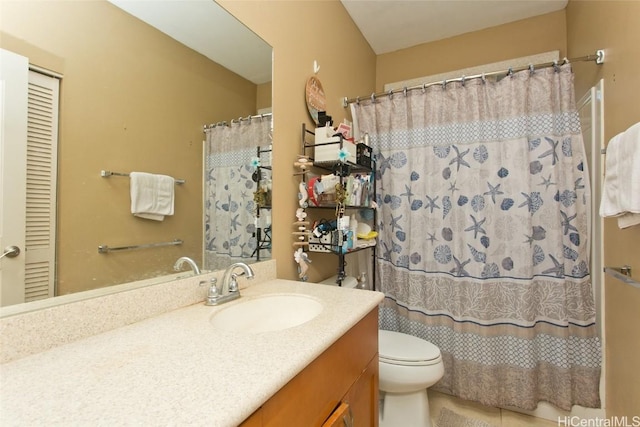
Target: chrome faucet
[(178, 265), (228, 289)]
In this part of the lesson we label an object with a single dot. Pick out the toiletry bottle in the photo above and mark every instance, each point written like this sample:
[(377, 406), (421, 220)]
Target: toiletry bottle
[(362, 281)]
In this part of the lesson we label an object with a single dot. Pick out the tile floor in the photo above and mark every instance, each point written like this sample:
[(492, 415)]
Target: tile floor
[(495, 416)]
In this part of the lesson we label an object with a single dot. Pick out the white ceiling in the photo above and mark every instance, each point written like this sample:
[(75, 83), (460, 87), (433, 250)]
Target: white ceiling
[(390, 25)]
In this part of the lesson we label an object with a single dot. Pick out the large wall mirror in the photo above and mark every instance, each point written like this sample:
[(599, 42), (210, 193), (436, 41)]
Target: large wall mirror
[(132, 98)]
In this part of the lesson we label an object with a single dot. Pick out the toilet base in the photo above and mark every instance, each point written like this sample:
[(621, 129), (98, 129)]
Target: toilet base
[(405, 409)]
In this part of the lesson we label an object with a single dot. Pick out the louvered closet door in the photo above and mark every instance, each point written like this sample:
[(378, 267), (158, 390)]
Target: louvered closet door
[(42, 148)]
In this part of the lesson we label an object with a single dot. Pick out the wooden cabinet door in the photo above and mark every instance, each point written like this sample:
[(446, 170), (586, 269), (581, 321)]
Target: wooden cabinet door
[(341, 417), (310, 397), (360, 405), (344, 377), (363, 397)]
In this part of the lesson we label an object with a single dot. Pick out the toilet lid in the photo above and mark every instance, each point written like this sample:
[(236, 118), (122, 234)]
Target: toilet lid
[(399, 347)]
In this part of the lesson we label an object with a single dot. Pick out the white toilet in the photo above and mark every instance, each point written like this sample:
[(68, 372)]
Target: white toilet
[(408, 366)]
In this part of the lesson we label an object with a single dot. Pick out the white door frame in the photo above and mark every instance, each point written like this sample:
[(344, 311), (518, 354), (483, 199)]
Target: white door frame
[(591, 107), (14, 82)]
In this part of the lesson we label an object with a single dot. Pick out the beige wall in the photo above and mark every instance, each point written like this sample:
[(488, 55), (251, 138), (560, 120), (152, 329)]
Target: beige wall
[(526, 37), (263, 96), (129, 93), (347, 66), (301, 32), (613, 26)]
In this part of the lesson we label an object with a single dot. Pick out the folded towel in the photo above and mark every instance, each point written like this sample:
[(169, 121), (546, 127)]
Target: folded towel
[(621, 187), (151, 195), (628, 219)]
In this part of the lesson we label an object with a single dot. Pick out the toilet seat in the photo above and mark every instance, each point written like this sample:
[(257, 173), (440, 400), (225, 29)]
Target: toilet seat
[(397, 348)]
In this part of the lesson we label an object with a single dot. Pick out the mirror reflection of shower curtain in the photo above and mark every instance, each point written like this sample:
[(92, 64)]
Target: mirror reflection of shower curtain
[(230, 210)]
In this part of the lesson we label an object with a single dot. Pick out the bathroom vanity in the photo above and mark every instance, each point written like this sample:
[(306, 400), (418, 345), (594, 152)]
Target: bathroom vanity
[(339, 388), (178, 368)]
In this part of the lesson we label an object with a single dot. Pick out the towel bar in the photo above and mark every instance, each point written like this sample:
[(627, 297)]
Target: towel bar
[(106, 174), (623, 274), (103, 249)]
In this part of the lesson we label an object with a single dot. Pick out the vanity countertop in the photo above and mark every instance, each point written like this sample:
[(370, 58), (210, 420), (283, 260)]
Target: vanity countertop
[(176, 368)]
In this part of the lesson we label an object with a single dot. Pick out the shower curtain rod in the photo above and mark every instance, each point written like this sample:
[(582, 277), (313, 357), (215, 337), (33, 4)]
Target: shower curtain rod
[(240, 119), (598, 57)]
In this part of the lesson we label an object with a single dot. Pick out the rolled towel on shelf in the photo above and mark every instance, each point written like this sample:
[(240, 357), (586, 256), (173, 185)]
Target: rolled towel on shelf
[(152, 196), (621, 187)]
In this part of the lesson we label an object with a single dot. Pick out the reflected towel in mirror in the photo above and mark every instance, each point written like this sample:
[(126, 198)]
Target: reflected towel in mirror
[(621, 187), (152, 196)]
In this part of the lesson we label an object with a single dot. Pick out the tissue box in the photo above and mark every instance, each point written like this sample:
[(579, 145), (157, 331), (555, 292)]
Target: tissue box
[(323, 133), (329, 148)]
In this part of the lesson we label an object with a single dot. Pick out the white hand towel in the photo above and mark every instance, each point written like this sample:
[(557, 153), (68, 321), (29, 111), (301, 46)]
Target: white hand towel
[(621, 188), (628, 219), (151, 195)]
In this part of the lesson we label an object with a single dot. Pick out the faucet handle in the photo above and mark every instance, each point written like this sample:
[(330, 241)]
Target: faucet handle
[(213, 288), (233, 283)]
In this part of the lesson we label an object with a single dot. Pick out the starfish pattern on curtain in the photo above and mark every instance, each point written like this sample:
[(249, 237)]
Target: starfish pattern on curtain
[(483, 231)]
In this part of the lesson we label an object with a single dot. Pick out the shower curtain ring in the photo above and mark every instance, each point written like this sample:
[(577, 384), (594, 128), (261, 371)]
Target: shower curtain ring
[(390, 94), (373, 97), (510, 73), (484, 78), (404, 91), (463, 79), (444, 84), (531, 69)]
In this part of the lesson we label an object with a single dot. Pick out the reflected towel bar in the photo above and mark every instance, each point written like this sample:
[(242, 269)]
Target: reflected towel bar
[(103, 249), (106, 174), (623, 274)]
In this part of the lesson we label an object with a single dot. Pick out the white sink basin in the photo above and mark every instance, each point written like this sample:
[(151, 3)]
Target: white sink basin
[(266, 313)]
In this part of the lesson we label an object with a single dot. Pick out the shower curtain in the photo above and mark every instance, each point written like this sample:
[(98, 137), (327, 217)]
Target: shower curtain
[(230, 211), (483, 246)]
